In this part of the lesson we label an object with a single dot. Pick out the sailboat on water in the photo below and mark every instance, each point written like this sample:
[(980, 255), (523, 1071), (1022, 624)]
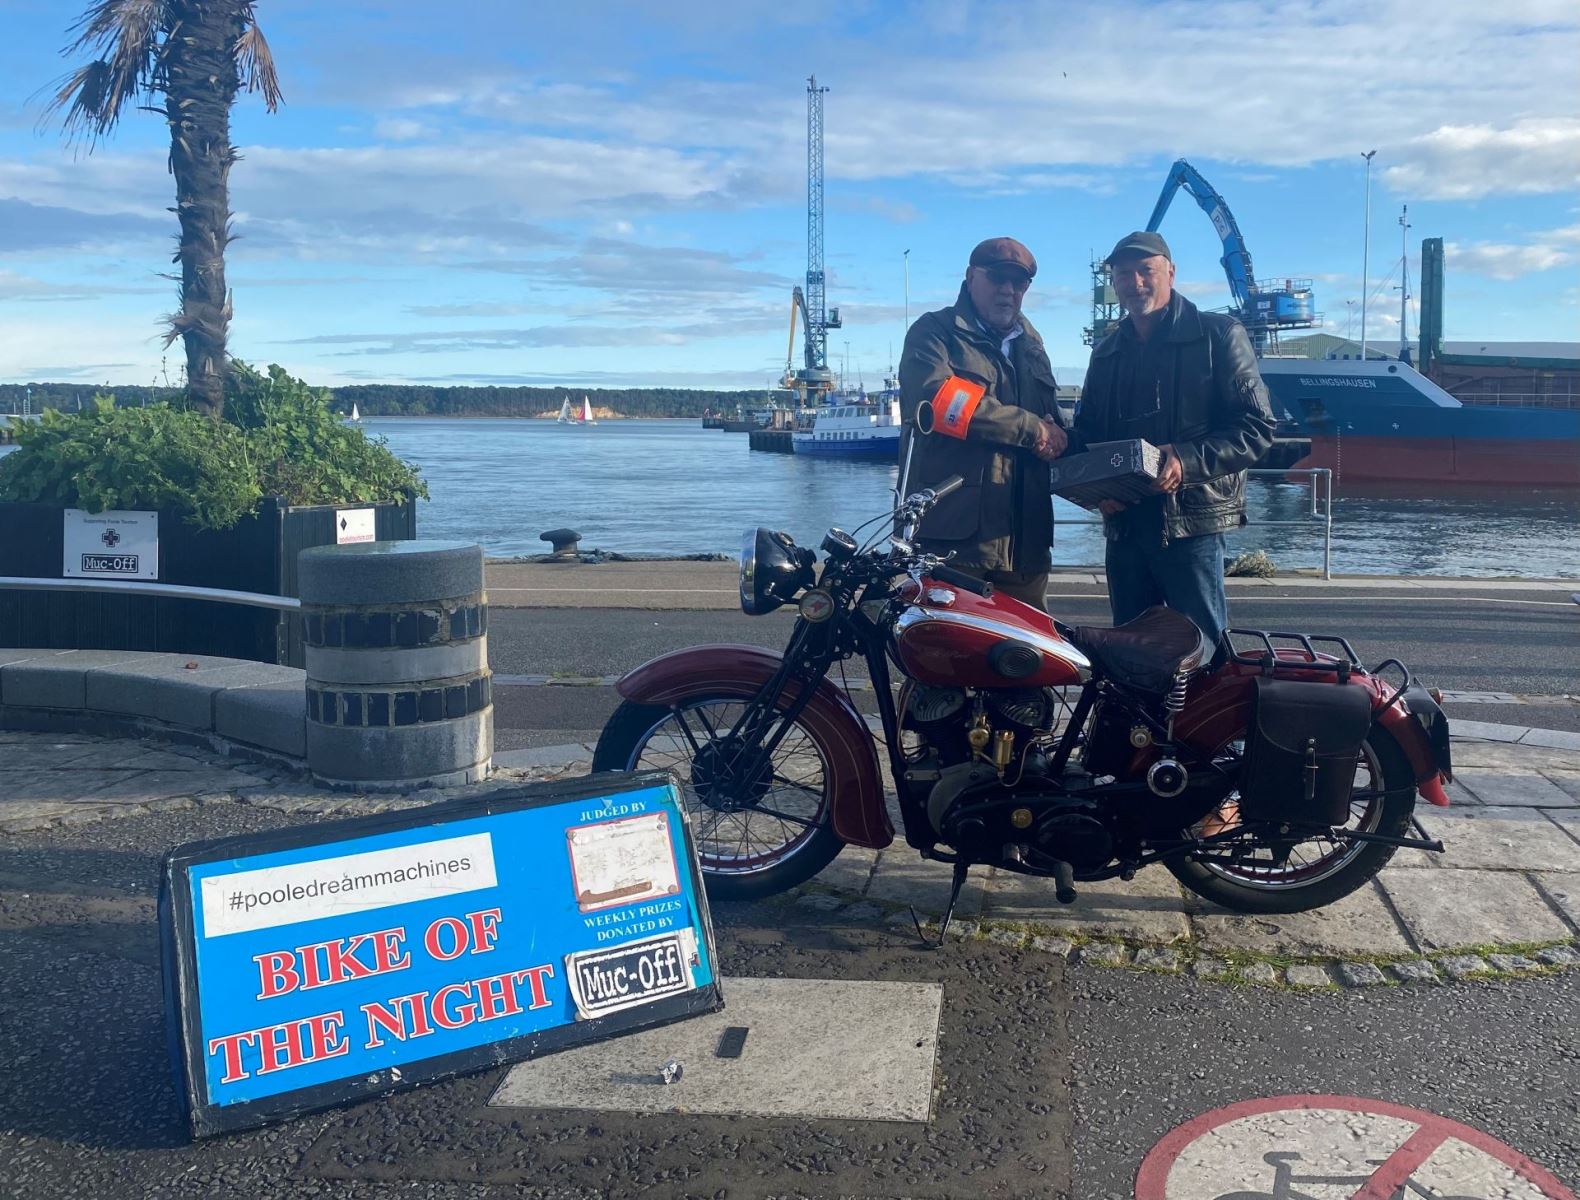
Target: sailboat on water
[(587, 417), (355, 416), (569, 416), (565, 417)]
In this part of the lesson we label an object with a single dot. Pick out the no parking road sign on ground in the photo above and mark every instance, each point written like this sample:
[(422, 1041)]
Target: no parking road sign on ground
[(1336, 1148)]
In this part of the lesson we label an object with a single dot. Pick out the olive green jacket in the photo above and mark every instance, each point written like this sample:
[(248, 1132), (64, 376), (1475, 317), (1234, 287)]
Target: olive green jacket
[(1002, 518)]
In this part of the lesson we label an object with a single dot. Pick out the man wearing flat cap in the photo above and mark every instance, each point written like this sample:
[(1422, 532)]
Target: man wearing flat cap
[(1187, 382), (980, 370)]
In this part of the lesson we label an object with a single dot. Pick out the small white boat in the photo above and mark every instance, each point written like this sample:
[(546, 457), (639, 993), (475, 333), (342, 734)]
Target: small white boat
[(587, 417), (565, 417), (355, 415)]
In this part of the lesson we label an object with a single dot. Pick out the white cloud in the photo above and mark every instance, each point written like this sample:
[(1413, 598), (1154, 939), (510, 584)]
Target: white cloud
[(1464, 162), (1505, 260)]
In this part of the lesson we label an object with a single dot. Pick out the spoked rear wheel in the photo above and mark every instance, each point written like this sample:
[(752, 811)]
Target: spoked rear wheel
[(1322, 869), (761, 824)]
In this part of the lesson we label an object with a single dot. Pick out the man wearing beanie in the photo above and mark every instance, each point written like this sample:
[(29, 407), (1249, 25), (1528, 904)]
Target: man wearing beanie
[(1187, 382), (981, 371)]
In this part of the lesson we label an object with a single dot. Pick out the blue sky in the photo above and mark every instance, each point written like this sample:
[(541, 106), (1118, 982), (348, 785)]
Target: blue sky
[(614, 193)]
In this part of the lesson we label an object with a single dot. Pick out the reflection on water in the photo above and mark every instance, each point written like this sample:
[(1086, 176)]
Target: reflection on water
[(672, 487)]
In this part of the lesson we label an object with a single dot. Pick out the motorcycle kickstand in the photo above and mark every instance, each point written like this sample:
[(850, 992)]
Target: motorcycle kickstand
[(958, 882)]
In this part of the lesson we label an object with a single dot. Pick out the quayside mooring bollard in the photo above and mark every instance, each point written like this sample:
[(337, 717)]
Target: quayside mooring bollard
[(398, 686)]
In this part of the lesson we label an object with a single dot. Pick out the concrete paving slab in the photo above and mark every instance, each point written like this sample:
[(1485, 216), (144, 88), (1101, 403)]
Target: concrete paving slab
[(903, 877), (1568, 822), (59, 681), (541, 756), (850, 872), (1507, 756), (38, 755), (9, 655), (1500, 838), (1566, 781), (1490, 731), (1458, 793), (1445, 910), (1558, 739), (1493, 785), (1563, 889), (1149, 907), (21, 787), (271, 715), (815, 1049), (144, 787), (1359, 924)]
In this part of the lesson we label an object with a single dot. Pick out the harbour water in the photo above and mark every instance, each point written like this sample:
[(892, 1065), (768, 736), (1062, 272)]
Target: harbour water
[(672, 487)]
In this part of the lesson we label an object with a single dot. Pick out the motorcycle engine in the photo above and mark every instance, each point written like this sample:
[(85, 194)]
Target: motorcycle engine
[(940, 715), (985, 820)]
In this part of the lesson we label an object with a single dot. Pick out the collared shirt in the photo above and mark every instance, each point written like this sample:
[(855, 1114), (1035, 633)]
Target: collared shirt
[(1004, 346)]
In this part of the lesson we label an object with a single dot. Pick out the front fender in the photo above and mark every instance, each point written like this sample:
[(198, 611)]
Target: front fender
[(856, 787)]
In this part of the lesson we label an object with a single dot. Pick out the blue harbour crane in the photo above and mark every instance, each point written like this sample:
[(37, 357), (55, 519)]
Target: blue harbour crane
[(1266, 307)]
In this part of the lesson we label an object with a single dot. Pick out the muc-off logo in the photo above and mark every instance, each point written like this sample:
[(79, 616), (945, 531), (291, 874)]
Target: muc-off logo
[(110, 564)]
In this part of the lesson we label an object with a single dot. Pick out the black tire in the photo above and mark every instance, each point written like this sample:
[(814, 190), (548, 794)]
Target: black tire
[(792, 843), (1344, 867)]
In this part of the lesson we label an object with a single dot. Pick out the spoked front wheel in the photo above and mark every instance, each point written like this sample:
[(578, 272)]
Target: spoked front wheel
[(1318, 870), (762, 823)]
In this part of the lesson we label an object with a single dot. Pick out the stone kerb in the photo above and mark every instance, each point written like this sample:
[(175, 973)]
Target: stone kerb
[(399, 694)]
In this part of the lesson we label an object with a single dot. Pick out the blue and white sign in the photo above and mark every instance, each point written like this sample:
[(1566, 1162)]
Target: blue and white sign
[(318, 965)]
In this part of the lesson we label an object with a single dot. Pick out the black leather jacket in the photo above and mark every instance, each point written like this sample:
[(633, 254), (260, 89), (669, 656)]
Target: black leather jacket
[(1213, 409)]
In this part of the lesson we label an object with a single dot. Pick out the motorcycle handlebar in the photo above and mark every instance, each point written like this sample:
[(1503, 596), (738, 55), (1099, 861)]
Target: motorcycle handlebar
[(960, 579), (953, 484)]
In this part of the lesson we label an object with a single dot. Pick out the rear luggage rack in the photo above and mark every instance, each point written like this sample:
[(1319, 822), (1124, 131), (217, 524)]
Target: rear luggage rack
[(1266, 655)]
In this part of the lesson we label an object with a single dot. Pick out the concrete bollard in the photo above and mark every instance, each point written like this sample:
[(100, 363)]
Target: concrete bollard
[(398, 688)]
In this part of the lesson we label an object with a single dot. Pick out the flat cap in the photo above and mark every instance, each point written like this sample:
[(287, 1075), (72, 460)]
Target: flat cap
[(1004, 252), (1143, 243)]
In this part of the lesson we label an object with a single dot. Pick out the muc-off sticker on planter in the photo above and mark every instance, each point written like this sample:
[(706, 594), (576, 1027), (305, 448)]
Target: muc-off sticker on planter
[(309, 967)]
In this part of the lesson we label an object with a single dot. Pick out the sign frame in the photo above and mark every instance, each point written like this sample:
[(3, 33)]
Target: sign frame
[(110, 528), (178, 894)]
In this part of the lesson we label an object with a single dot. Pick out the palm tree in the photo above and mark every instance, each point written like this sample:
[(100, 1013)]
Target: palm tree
[(194, 55)]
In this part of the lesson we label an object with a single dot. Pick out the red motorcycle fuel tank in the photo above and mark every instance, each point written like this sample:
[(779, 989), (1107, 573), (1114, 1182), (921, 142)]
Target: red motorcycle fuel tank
[(950, 637)]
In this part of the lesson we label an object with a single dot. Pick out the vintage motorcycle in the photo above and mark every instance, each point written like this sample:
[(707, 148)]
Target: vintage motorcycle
[(1271, 773)]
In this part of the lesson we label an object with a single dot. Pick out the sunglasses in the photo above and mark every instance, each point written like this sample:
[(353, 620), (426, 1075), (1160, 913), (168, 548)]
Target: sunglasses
[(999, 276)]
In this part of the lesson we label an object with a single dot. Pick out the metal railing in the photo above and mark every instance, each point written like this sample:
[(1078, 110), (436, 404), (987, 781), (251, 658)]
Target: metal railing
[(1321, 509), (130, 587)]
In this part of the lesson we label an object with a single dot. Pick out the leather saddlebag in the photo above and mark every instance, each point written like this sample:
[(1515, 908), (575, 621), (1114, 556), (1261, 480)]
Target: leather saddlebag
[(1302, 751)]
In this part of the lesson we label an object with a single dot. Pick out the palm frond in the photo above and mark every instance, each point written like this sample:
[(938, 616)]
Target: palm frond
[(125, 34), (255, 61)]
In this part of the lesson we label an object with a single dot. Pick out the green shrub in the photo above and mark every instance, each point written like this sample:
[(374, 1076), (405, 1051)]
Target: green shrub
[(279, 438), (139, 458)]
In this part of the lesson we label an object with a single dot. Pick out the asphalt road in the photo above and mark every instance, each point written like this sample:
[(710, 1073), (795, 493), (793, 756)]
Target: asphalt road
[(1053, 1081), (1522, 643)]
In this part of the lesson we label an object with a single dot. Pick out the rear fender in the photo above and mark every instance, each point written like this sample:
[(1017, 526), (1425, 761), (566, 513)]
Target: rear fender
[(1218, 710), (860, 815)]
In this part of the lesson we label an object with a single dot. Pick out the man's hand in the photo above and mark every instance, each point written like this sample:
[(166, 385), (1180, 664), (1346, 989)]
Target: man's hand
[(1051, 441), (1171, 472), (1109, 507)]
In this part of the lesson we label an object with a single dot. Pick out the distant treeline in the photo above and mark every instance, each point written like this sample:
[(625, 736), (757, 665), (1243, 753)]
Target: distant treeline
[(412, 400)]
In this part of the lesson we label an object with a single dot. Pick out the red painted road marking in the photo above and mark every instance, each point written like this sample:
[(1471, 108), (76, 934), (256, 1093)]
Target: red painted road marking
[(1431, 1133)]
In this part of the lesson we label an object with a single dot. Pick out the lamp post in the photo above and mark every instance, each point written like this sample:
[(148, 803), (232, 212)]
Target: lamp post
[(1366, 249), (907, 258)]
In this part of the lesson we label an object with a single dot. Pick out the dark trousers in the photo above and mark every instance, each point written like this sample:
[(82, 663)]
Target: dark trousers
[(1186, 575)]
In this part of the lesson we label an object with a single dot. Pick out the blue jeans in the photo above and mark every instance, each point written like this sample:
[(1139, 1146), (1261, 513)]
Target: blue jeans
[(1186, 575)]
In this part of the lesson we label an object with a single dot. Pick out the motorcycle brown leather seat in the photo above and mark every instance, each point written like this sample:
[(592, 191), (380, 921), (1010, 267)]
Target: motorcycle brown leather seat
[(1148, 652)]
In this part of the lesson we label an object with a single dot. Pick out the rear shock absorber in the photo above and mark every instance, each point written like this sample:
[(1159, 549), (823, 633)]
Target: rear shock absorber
[(1174, 702)]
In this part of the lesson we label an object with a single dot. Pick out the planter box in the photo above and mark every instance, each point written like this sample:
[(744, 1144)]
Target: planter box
[(258, 554)]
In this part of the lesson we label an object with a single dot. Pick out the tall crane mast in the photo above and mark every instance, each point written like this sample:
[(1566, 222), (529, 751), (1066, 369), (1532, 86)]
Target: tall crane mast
[(815, 377)]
